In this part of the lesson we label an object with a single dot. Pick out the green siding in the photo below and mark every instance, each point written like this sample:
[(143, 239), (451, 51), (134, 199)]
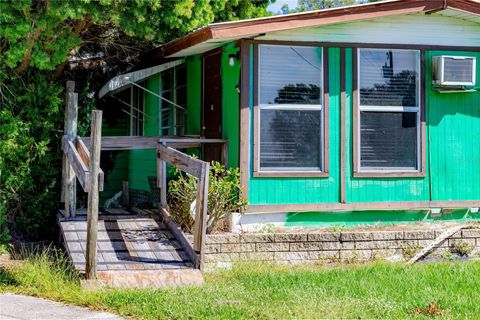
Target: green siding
[(452, 151), (194, 94), (230, 103), (454, 134), (306, 190), (376, 189), (142, 162)]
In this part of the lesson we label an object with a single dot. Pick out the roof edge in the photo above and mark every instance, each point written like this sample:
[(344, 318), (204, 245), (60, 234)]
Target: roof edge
[(252, 27)]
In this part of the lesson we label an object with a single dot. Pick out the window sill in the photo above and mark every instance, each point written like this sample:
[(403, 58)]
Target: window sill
[(291, 174), (400, 174)]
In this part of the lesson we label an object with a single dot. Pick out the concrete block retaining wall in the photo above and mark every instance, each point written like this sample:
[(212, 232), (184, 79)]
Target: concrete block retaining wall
[(328, 247)]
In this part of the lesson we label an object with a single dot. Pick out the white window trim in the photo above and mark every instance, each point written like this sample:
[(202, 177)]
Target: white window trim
[(307, 107), (402, 109)]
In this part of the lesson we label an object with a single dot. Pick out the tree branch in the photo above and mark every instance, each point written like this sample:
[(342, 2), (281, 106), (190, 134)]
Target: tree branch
[(32, 37)]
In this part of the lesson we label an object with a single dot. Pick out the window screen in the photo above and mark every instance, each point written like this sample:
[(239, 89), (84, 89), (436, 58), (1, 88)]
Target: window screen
[(291, 114), (389, 110), (389, 140), (290, 139)]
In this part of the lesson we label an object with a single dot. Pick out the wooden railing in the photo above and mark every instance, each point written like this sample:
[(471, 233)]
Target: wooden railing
[(166, 154), (81, 160), (199, 169), (78, 157), (82, 163)]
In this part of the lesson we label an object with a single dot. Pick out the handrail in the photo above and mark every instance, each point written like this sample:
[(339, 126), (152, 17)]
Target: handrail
[(79, 159), (84, 164), (111, 143), (197, 168)]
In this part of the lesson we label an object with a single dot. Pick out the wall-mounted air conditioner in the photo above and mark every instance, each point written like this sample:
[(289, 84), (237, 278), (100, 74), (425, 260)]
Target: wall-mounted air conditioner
[(452, 71)]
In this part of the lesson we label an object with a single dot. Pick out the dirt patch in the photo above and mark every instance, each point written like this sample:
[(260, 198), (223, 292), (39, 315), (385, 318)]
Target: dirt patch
[(7, 261), (433, 310)]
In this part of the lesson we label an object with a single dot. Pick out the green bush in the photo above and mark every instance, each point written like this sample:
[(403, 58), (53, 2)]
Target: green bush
[(29, 156), (224, 196), (462, 247)]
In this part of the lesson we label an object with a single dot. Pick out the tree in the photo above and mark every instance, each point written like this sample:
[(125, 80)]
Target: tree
[(43, 43), (309, 5), (42, 33)]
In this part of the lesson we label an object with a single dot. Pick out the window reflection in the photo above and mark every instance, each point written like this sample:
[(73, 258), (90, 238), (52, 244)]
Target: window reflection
[(388, 78), (289, 75), (291, 115)]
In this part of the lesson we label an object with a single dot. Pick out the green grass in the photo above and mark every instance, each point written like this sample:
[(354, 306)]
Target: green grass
[(270, 292)]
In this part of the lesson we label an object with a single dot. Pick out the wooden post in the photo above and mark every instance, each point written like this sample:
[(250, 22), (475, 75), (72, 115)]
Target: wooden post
[(201, 214), (69, 189), (162, 180), (92, 213), (225, 154), (125, 194), (70, 87)]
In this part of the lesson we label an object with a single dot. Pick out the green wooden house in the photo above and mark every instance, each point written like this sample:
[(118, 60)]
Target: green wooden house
[(356, 114)]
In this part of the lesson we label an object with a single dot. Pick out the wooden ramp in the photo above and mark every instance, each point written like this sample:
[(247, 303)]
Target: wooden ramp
[(135, 249)]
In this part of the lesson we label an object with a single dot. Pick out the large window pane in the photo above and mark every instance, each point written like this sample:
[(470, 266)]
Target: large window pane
[(388, 140), (290, 140), (389, 77), (290, 75)]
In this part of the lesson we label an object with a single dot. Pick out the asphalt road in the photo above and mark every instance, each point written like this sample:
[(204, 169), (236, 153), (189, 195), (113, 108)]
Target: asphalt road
[(18, 307)]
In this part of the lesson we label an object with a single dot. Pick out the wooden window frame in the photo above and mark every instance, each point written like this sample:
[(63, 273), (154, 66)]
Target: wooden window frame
[(325, 118), (420, 172)]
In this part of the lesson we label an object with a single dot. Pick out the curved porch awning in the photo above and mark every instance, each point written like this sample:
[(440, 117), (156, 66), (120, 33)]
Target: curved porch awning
[(126, 80)]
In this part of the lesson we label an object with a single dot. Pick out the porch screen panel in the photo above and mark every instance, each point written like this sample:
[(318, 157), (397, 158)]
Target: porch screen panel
[(290, 102), (166, 107), (389, 110), (180, 99), (174, 88)]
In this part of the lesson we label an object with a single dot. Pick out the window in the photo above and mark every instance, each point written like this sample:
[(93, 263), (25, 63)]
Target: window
[(180, 99), (290, 109), (136, 110), (174, 88), (389, 111)]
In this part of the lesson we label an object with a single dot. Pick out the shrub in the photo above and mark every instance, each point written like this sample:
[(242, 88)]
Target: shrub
[(463, 248), (223, 196)]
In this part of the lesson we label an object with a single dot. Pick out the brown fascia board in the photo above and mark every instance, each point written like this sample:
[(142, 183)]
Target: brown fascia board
[(466, 6), (249, 28)]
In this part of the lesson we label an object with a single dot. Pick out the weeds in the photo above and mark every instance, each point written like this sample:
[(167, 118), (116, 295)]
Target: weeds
[(257, 290), (410, 250), (462, 247)]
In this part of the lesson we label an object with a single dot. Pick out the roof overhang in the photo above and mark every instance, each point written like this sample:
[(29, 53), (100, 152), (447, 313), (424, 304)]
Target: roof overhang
[(125, 80), (216, 34)]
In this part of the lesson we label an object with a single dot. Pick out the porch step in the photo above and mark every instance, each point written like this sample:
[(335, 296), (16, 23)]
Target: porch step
[(150, 278)]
